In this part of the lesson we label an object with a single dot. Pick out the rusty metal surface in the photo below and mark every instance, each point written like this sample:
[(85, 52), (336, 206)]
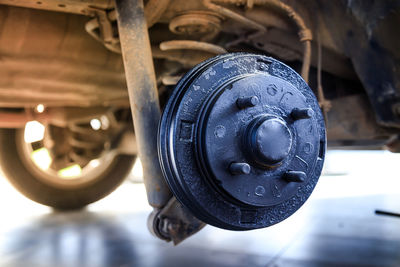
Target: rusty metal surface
[(101, 29), (48, 58), (286, 46), (196, 23), (352, 119), (154, 9), (368, 35), (210, 4), (188, 58), (192, 45), (171, 221), (143, 95), (304, 32), (68, 6), (19, 119)]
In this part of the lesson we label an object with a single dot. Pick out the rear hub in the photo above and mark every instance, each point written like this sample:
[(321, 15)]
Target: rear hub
[(242, 141)]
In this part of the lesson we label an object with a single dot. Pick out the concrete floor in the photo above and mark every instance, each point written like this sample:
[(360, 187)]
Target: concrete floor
[(336, 227)]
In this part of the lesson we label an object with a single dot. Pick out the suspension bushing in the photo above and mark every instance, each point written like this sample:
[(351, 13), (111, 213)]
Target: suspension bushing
[(242, 141)]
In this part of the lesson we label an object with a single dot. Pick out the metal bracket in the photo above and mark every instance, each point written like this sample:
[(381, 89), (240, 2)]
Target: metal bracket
[(101, 29), (173, 222)]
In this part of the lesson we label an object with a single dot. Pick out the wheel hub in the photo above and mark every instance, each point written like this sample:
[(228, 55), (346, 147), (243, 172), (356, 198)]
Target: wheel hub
[(268, 140), (242, 141)]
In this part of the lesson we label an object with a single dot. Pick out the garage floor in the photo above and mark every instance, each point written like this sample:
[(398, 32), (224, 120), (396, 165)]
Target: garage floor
[(336, 227)]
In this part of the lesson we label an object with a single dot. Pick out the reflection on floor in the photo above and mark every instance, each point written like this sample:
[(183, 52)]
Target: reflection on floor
[(336, 227)]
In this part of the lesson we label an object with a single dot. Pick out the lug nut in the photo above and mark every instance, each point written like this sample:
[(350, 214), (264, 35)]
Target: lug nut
[(304, 113), (247, 102), (239, 168), (295, 176)]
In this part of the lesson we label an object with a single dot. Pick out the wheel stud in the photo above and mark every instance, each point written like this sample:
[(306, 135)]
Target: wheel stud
[(247, 102), (239, 168), (295, 176), (304, 113)]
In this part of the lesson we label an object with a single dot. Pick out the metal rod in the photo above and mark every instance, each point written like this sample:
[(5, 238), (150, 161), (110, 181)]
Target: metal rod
[(143, 95), (387, 213), (19, 119)]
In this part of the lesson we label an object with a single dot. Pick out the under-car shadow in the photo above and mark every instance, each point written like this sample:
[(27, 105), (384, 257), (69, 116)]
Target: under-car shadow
[(79, 238), (85, 238)]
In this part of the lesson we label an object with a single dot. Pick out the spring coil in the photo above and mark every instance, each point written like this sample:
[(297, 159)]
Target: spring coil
[(192, 45)]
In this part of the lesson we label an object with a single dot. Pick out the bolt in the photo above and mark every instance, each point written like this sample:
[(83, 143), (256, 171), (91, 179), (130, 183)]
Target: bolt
[(239, 168), (295, 176), (246, 102), (304, 113)]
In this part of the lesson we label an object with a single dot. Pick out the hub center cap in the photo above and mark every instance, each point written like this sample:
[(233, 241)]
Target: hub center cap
[(269, 140)]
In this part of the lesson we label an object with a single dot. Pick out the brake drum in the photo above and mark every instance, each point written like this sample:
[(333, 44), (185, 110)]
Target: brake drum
[(242, 141)]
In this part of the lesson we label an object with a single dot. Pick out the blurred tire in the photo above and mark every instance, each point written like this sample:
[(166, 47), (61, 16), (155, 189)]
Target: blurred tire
[(26, 181)]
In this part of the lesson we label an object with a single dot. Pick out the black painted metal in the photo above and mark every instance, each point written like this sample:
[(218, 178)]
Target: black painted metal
[(242, 141)]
